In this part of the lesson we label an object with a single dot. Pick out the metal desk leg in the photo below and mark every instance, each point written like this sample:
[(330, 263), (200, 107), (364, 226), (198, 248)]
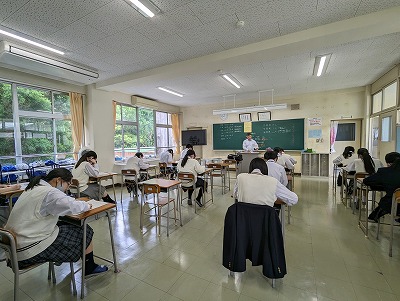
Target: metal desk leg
[(112, 243), (83, 258), (167, 213), (179, 204), (113, 184)]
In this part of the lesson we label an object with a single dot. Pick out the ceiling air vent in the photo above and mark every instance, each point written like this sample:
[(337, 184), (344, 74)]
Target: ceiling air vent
[(295, 106)]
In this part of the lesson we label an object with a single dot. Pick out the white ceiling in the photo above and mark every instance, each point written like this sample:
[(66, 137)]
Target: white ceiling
[(184, 47)]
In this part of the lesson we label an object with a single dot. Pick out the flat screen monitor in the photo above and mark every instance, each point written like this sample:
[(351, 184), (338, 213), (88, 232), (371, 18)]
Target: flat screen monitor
[(194, 137)]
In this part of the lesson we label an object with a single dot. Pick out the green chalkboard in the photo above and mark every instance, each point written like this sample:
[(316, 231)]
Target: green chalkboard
[(288, 134)]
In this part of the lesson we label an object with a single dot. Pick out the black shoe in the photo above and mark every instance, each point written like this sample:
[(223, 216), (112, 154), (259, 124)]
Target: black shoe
[(198, 202), (190, 202)]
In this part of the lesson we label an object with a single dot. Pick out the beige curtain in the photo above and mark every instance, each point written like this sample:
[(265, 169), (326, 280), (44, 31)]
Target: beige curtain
[(176, 131), (76, 100), (115, 112)]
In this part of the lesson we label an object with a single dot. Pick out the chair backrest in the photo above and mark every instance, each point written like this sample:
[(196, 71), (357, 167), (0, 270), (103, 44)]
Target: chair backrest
[(230, 162), (9, 244), (75, 187), (128, 172), (186, 178), (214, 165), (151, 188)]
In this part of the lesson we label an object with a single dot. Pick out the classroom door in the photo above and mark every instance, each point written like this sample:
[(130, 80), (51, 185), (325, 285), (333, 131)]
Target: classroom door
[(352, 137), (387, 141)]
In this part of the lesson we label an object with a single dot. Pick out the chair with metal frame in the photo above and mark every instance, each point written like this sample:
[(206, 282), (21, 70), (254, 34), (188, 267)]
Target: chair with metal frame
[(219, 171), (231, 162), (156, 204), (165, 172), (9, 244), (126, 174), (75, 186), (187, 178)]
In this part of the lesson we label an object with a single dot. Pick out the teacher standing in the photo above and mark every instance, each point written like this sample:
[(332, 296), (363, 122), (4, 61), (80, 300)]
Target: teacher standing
[(249, 144)]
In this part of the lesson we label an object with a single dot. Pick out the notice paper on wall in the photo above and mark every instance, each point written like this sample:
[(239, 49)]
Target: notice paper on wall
[(315, 134), (247, 128), (315, 121)]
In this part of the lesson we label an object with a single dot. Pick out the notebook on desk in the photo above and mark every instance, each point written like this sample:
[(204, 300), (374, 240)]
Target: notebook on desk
[(101, 174), (96, 204)]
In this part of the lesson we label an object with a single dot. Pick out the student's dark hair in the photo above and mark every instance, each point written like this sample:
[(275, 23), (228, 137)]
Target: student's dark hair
[(189, 146), (258, 163), (348, 151), (369, 164), (62, 173), (85, 156), (139, 154), (248, 134), (393, 158), (170, 151), (270, 155), (190, 152), (277, 149)]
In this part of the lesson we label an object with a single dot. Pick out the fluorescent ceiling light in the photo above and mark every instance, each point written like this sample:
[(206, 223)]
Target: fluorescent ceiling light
[(260, 108), (170, 91), (9, 34), (321, 64), (145, 7), (230, 79)]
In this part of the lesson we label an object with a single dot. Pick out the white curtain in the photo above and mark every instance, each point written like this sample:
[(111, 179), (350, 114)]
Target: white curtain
[(334, 126)]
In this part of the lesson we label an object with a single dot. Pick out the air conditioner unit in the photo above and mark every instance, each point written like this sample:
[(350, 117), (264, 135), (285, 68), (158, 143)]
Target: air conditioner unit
[(141, 102), (16, 58)]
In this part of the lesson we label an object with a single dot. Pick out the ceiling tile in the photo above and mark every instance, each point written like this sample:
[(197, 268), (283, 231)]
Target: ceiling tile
[(113, 17), (209, 10), (177, 19), (8, 7), (167, 5), (75, 36)]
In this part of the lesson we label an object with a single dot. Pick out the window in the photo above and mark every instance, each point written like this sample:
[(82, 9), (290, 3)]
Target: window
[(389, 96), (377, 102), (164, 132), (35, 125), (346, 132), (140, 129), (386, 129), (126, 139)]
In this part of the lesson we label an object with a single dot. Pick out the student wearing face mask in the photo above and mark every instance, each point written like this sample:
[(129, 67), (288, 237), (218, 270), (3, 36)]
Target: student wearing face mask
[(87, 167), (40, 236)]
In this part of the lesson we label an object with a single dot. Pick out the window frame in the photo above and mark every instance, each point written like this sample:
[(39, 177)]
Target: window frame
[(17, 114)]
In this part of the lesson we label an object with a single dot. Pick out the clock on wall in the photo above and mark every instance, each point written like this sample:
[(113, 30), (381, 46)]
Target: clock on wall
[(223, 117)]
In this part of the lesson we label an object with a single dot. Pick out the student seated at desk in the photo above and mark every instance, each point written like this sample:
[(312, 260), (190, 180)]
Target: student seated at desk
[(40, 236), (167, 157), (191, 165), (256, 187), (388, 180), (364, 163), (136, 162), (87, 167), (275, 170), (285, 160), (183, 153), (343, 160)]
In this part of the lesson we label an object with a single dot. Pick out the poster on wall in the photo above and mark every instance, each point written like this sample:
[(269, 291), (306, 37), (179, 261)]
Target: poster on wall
[(315, 121), (315, 134)]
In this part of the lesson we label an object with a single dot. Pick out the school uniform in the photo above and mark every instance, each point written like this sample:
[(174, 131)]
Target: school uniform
[(166, 157), (183, 153), (277, 171), (138, 165), (193, 166), (256, 188), (82, 174), (34, 220), (385, 179), (249, 145), (285, 161), (358, 165)]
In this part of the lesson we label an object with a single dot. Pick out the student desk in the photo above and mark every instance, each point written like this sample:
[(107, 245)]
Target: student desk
[(166, 184), (81, 220), (9, 195), (104, 176), (150, 168)]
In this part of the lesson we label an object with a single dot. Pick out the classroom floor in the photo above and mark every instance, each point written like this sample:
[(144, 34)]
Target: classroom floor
[(327, 257)]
